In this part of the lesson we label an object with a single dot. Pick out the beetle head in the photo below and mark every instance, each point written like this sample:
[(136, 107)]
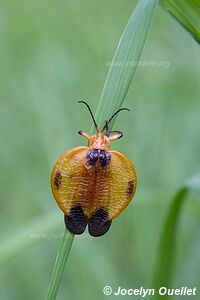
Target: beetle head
[(101, 140)]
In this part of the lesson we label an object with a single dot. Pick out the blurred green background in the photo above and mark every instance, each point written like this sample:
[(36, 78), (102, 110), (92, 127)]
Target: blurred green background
[(53, 53)]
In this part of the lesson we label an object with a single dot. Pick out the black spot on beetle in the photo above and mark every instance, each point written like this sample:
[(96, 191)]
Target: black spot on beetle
[(57, 179), (76, 221), (130, 187), (99, 223), (92, 157), (103, 157)]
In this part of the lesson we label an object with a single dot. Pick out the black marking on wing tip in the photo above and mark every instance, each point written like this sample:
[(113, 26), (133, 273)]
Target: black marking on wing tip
[(57, 179), (130, 187), (76, 221), (99, 223)]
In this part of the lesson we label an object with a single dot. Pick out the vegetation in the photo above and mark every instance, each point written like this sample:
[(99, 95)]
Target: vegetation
[(51, 56)]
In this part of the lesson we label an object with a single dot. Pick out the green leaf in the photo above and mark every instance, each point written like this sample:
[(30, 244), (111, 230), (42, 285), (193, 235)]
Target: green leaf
[(125, 61), (120, 75), (62, 255), (186, 12), (166, 252)]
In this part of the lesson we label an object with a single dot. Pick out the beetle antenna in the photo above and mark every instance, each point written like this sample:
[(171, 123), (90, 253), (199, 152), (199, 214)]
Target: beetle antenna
[(107, 122), (95, 124)]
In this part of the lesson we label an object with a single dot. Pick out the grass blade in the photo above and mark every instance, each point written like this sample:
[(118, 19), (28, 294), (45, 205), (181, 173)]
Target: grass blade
[(117, 84), (164, 264), (125, 61), (114, 92), (187, 13), (62, 255)]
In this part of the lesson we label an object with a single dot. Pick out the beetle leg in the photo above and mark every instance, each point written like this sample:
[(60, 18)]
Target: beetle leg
[(114, 135), (84, 134)]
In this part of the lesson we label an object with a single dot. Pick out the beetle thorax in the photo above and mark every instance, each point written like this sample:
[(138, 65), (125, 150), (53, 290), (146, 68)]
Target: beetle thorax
[(99, 141)]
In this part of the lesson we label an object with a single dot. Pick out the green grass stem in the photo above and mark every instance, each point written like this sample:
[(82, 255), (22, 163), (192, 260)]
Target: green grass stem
[(62, 255), (169, 235), (120, 75)]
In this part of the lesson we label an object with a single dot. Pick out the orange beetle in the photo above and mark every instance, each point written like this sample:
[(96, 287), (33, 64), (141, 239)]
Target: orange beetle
[(93, 185)]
